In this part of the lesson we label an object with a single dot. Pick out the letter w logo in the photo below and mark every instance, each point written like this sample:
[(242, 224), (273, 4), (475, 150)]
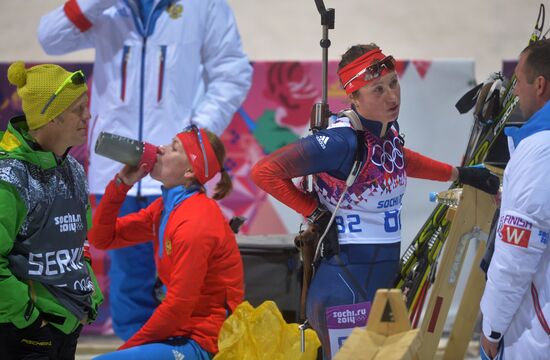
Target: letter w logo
[(515, 236)]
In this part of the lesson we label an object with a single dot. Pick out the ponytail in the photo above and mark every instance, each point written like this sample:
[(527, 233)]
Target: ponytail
[(224, 186)]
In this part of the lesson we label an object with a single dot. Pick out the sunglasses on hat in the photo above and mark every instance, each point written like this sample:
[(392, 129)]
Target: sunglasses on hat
[(194, 128), (374, 70), (76, 78)]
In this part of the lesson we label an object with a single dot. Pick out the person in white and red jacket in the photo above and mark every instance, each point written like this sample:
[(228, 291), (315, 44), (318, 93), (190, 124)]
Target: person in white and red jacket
[(158, 64), (516, 301)]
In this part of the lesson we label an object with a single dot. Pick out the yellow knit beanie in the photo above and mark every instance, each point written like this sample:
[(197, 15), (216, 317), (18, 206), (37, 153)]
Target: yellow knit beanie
[(36, 86)]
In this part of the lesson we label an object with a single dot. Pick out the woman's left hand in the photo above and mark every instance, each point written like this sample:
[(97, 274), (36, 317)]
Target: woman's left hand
[(132, 174)]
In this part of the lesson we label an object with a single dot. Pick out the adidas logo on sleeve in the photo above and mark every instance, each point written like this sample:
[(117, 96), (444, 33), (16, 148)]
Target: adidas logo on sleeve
[(322, 140)]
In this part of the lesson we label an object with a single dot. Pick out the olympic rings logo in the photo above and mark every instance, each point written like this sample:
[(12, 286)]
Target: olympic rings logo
[(84, 285), (389, 156)]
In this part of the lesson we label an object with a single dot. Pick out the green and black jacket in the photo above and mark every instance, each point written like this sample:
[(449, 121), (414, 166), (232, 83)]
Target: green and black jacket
[(44, 218)]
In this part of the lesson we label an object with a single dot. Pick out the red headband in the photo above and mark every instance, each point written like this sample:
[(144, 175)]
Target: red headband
[(351, 70), (197, 153)]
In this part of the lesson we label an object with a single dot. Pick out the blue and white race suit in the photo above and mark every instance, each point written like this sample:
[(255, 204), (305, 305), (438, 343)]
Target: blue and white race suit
[(516, 301)]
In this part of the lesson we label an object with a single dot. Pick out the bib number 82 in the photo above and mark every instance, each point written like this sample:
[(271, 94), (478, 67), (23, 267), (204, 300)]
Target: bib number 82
[(352, 221)]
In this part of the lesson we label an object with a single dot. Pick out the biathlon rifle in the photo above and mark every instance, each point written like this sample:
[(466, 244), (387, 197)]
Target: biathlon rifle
[(307, 242)]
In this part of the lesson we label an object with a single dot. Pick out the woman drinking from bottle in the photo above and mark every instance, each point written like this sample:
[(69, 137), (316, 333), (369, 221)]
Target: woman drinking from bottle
[(196, 253)]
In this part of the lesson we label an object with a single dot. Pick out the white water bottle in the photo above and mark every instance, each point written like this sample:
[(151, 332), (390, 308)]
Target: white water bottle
[(449, 197), (125, 150)]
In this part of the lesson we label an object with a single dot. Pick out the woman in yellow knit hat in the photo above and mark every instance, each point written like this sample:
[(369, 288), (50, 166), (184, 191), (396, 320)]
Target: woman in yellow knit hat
[(47, 286)]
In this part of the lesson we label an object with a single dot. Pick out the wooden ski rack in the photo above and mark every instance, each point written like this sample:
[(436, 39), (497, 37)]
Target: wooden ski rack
[(388, 334), (470, 220)]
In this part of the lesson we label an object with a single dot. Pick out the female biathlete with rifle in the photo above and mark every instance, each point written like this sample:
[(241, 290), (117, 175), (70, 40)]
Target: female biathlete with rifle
[(360, 252)]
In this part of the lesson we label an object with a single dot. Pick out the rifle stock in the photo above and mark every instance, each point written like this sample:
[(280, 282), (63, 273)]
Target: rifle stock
[(307, 241)]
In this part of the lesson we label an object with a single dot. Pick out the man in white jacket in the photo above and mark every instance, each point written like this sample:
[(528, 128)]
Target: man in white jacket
[(516, 301), (159, 66)]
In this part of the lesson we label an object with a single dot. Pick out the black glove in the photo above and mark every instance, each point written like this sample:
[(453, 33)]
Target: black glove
[(479, 178)]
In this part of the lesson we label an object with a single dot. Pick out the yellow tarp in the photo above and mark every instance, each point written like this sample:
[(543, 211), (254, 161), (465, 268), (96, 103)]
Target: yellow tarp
[(262, 333)]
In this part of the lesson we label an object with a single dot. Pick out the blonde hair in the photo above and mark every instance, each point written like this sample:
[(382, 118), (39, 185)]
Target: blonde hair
[(224, 186)]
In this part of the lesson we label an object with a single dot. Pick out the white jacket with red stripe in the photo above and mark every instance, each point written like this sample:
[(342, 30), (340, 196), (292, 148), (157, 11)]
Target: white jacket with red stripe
[(150, 81), (516, 301)]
